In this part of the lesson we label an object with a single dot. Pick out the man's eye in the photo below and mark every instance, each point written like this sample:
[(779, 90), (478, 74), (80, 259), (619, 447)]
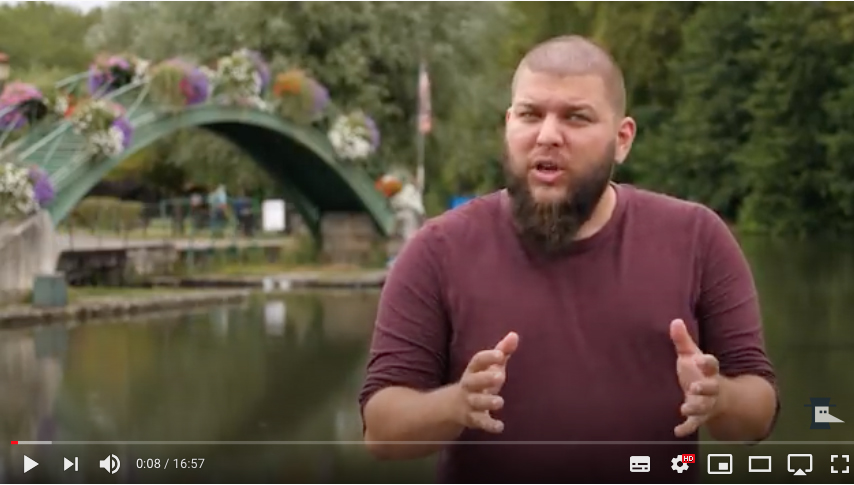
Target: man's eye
[(577, 117)]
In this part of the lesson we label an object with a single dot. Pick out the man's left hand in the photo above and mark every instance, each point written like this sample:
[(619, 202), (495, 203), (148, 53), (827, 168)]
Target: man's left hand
[(699, 378)]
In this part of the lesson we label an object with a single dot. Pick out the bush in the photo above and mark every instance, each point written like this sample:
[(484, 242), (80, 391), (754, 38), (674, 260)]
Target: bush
[(107, 214)]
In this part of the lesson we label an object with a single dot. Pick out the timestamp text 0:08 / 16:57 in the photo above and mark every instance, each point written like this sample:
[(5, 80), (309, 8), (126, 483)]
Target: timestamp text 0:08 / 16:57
[(177, 463)]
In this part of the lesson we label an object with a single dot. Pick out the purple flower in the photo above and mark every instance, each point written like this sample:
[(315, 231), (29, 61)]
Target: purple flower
[(320, 96), (261, 67), (195, 86), (125, 127), (107, 73), (373, 131), (42, 186), (118, 62), (13, 102), (97, 78), (12, 120)]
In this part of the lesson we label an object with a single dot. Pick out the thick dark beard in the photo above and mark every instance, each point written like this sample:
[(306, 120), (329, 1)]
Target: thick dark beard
[(552, 227)]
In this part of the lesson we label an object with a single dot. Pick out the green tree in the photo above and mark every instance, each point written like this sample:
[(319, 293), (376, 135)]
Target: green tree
[(784, 162), (692, 155), (366, 53)]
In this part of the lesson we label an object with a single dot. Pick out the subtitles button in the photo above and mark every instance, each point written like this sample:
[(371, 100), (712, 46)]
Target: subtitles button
[(639, 464)]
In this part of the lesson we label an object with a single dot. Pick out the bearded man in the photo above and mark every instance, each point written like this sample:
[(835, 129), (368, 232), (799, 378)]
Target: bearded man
[(550, 331)]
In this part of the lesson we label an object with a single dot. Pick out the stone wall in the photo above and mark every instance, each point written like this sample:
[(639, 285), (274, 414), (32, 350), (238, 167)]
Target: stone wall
[(27, 248), (153, 261), (350, 238)]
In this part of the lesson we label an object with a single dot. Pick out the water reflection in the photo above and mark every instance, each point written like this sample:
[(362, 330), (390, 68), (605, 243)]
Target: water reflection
[(285, 369), (289, 369)]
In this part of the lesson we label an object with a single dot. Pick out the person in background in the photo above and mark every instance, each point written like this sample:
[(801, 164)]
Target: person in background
[(406, 201), (549, 331)]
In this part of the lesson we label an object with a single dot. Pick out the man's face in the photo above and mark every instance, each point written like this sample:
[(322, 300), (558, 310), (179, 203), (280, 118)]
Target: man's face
[(562, 140)]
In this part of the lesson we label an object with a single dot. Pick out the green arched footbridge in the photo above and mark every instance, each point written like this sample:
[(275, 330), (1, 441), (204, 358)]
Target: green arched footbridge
[(299, 157)]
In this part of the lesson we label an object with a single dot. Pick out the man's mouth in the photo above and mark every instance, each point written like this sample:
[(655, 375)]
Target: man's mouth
[(547, 167)]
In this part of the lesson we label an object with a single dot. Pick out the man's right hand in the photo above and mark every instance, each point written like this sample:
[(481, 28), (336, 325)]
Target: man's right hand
[(480, 384)]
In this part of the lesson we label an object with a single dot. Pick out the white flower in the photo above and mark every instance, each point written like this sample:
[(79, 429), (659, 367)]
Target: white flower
[(238, 74), (17, 195), (60, 105), (350, 139), (141, 71)]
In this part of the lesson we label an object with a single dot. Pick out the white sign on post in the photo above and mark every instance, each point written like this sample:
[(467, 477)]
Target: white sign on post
[(273, 215)]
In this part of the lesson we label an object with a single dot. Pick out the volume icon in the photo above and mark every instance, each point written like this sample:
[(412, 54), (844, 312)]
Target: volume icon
[(111, 464), (68, 464)]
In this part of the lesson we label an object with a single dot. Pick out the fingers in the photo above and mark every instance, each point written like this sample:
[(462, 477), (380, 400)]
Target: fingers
[(700, 402), (482, 381), (697, 406), (707, 364), (484, 359), (485, 402), (508, 344), (690, 425), (485, 422), (681, 339)]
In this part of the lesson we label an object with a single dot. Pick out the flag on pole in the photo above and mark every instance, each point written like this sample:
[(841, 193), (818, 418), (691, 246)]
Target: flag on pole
[(425, 122)]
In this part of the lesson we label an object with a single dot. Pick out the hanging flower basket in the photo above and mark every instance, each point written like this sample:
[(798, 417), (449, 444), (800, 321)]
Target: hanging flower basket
[(111, 72), (60, 104), (17, 196), (242, 79), (105, 127), (299, 97), (26, 104), (177, 84), (354, 136)]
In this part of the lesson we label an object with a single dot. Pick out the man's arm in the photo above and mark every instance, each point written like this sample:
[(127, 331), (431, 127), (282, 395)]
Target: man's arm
[(402, 398), (731, 330), (746, 410), (406, 415)]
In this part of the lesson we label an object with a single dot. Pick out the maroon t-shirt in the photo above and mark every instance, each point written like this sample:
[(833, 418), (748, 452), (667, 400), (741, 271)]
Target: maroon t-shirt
[(595, 361)]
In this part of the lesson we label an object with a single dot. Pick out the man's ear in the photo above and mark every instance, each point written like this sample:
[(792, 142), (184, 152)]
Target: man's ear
[(625, 137)]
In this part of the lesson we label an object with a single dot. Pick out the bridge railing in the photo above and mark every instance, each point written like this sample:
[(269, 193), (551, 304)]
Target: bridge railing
[(59, 177), (110, 218)]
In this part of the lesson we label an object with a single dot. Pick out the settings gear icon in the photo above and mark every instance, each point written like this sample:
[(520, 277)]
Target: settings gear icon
[(678, 464)]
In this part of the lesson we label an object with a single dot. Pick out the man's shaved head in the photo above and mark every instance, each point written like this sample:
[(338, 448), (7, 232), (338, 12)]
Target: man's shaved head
[(574, 55)]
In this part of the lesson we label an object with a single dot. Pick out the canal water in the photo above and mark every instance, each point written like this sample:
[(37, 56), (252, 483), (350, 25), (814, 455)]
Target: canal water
[(289, 369)]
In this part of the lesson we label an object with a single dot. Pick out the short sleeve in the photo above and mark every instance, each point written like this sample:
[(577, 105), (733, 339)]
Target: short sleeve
[(411, 332)]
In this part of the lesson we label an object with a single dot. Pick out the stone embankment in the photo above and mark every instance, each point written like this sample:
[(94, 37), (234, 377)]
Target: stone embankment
[(286, 281), (213, 290), (24, 315)]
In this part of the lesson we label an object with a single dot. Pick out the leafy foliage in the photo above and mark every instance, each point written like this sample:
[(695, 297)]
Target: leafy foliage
[(746, 107)]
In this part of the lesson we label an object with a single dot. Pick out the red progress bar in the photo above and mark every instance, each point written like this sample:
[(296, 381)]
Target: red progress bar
[(14, 442)]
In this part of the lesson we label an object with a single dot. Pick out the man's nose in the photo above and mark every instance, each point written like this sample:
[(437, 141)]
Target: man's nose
[(550, 131)]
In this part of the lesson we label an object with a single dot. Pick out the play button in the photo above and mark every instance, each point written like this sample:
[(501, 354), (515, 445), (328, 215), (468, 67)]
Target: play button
[(29, 463)]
